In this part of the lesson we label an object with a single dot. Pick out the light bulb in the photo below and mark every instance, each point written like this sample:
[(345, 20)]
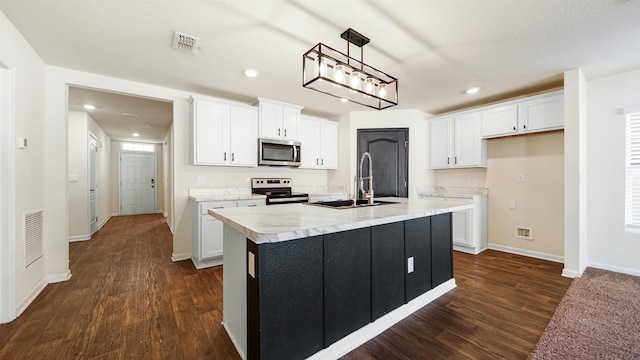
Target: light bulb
[(382, 92), (323, 67), (369, 88), (356, 83), (338, 74)]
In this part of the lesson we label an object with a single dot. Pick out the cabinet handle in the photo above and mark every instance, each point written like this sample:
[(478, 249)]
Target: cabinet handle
[(524, 127), (447, 161), (316, 161), (514, 128), (225, 156), (285, 132), (233, 157), (278, 131), (455, 161), (322, 162)]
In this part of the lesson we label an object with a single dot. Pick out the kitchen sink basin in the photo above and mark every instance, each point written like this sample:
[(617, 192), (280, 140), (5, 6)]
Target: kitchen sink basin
[(348, 204)]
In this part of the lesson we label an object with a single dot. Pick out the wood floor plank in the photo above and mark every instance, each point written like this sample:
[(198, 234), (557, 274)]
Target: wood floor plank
[(128, 300)]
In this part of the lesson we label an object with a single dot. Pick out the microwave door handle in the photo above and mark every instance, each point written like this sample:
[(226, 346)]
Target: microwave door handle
[(295, 153)]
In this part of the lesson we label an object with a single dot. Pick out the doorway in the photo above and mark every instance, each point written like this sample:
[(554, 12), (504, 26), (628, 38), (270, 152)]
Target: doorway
[(93, 184), (137, 183), (389, 158)]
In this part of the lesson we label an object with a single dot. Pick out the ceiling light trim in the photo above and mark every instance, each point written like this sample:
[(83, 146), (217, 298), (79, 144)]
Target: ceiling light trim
[(334, 73)]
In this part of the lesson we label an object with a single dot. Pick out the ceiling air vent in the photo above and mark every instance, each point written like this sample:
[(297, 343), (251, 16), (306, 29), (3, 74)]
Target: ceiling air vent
[(184, 42)]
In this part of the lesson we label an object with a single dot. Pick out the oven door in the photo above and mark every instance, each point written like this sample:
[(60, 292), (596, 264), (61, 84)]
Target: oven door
[(278, 152)]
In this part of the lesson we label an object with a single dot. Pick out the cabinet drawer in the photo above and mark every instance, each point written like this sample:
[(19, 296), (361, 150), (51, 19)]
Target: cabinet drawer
[(205, 206), (249, 203)]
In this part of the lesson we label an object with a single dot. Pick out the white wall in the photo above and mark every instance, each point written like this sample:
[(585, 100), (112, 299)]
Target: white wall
[(609, 246), (104, 171), (78, 192), (30, 164)]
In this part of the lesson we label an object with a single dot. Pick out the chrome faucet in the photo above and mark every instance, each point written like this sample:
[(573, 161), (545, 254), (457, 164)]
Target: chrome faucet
[(366, 194)]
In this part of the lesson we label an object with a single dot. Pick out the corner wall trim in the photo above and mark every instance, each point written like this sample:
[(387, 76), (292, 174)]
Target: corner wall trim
[(529, 253)]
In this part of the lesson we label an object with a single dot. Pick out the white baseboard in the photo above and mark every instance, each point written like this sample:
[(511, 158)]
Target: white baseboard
[(104, 221), (368, 332), (613, 268), (529, 253), (165, 214), (55, 278), (79, 238), (27, 300), (179, 257), (571, 273)]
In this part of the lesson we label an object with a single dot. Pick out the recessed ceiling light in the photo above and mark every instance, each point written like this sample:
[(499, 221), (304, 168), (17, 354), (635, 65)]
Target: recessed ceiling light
[(344, 100), (135, 134), (89, 107), (472, 90), (251, 73)]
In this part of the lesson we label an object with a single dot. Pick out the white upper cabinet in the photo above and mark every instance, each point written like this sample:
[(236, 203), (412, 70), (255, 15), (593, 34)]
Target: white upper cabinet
[(532, 114), (542, 113), (500, 121), (319, 143), (224, 134), (456, 142), (279, 120)]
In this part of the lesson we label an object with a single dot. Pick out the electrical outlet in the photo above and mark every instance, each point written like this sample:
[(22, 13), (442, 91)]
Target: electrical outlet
[(512, 204), (520, 178), (467, 178)]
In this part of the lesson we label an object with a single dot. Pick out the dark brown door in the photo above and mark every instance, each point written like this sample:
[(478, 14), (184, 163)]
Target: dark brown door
[(389, 155)]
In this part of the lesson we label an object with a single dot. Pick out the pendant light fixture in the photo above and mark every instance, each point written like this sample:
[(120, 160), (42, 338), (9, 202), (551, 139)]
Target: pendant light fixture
[(331, 72)]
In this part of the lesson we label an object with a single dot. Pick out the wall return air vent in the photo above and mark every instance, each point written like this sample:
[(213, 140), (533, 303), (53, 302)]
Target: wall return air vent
[(185, 42)]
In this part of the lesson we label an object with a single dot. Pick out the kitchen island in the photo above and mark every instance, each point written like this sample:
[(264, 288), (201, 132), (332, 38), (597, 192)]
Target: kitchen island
[(302, 281)]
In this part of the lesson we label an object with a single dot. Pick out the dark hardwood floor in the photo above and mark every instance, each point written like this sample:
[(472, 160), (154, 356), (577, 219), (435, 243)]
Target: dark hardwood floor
[(127, 299)]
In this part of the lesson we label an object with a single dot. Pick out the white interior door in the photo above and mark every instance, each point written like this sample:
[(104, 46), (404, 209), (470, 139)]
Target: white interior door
[(137, 183), (93, 184)]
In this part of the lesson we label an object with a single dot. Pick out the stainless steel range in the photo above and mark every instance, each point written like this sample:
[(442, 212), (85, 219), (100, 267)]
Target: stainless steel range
[(277, 190)]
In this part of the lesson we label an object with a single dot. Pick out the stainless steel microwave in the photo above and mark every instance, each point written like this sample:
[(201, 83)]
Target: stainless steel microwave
[(278, 152)]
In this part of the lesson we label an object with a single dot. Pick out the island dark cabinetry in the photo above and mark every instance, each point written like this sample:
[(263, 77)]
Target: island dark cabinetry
[(284, 300), (441, 249), (305, 294), (417, 235), (387, 270), (347, 283)]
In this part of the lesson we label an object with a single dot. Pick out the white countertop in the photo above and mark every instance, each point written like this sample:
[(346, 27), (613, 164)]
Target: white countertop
[(264, 224), (452, 191)]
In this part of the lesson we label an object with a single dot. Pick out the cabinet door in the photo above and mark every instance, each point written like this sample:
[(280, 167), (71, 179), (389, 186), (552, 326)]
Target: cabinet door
[(441, 142), (211, 133), (211, 234), (270, 120), (329, 145), (387, 268), (347, 283), (467, 140), (500, 121), (310, 143), (290, 123), (417, 235), (461, 227), (545, 113), (441, 249), (244, 136)]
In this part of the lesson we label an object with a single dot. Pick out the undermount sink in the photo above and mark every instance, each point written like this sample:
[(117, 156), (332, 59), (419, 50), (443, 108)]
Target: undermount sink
[(348, 204)]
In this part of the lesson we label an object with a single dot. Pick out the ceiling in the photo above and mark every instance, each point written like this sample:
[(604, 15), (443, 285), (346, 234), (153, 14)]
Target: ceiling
[(436, 48)]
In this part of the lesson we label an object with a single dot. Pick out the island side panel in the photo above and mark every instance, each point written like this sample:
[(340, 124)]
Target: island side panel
[(441, 249), (417, 234), (347, 282), (234, 293), (387, 268)]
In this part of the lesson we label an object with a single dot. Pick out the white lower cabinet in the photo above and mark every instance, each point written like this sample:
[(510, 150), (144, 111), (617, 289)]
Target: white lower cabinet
[(207, 231), (469, 227)]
